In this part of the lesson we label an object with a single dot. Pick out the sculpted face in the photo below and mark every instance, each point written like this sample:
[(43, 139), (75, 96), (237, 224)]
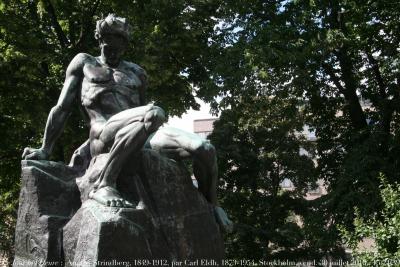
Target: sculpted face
[(112, 48)]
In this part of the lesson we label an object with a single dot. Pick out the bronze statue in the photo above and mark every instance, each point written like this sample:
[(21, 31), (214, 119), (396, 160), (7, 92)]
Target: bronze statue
[(112, 93)]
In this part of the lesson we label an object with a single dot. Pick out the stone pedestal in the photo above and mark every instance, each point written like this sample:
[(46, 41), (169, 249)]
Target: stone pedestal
[(102, 234), (180, 212), (49, 197), (172, 220)]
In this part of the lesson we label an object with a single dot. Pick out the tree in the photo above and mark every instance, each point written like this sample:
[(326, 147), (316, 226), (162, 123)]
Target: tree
[(383, 229), (259, 143), (341, 59), (330, 56)]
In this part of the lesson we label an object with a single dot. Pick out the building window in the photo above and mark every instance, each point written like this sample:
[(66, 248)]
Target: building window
[(286, 183)]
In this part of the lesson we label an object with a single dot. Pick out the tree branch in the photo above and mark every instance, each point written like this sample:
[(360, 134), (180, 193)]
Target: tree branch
[(62, 38), (386, 106), (377, 73), (356, 112), (330, 71), (85, 25)]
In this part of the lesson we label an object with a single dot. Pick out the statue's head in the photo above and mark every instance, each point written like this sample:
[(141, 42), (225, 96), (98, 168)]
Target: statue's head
[(113, 35)]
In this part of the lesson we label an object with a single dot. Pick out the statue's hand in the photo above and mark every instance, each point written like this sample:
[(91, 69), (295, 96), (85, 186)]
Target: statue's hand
[(34, 154)]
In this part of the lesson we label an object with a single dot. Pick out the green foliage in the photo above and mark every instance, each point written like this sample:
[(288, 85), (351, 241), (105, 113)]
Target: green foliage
[(259, 142), (340, 58), (383, 229), (273, 66)]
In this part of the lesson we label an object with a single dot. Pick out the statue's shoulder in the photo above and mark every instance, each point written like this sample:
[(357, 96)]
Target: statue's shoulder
[(138, 70), (79, 61), (83, 58)]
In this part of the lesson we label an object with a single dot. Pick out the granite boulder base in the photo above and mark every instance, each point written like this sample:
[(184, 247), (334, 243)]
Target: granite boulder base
[(172, 221)]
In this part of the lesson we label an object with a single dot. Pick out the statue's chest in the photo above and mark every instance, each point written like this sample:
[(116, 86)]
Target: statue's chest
[(110, 88), (103, 75)]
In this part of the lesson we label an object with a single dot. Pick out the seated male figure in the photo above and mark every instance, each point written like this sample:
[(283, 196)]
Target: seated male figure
[(111, 91)]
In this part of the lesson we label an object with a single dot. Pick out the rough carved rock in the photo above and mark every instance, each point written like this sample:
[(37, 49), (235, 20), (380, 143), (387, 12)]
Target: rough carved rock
[(98, 233), (172, 220), (47, 202), (180, 211)]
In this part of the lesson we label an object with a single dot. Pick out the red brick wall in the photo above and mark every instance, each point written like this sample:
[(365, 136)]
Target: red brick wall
[(204, 125)]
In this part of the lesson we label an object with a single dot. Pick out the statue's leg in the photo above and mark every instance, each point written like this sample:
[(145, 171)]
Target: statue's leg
[(129, 130), (177, 143)]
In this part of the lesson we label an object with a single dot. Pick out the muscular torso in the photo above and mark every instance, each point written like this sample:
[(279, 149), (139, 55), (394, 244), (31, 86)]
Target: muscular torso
[(107, 91)]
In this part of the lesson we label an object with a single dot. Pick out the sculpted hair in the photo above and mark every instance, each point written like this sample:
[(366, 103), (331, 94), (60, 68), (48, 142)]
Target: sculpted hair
[(112, 25)]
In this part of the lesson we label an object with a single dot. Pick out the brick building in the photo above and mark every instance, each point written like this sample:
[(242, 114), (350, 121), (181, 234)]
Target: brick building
[(203, 127)]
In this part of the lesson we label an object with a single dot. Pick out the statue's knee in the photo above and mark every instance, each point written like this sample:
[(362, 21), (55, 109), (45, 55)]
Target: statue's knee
[(206, 149), (211, 150), (154, 118)]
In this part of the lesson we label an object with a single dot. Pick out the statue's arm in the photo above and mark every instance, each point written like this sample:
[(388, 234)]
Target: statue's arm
[(60, 112)]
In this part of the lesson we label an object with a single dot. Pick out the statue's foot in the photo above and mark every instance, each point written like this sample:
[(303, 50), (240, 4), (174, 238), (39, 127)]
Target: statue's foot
[(109, 196), (223, 220)]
